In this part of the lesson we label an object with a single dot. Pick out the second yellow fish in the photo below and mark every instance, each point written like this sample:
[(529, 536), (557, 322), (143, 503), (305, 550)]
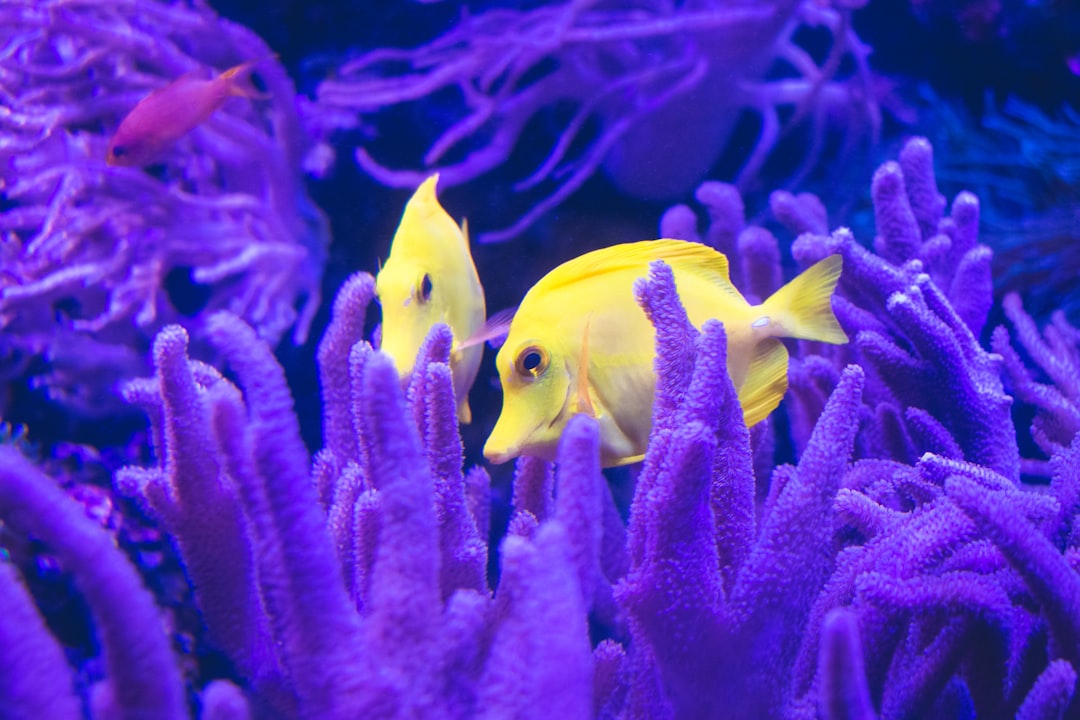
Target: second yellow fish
[(430, 278), (580, 343)]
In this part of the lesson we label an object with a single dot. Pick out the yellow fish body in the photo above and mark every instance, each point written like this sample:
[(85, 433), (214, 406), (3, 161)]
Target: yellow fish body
[(430, 278), (579, 341)]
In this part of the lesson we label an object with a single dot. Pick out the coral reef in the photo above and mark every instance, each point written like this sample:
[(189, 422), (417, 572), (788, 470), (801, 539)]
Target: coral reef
[(96, 259), (1023, 164), (898, 568), (621, 84)]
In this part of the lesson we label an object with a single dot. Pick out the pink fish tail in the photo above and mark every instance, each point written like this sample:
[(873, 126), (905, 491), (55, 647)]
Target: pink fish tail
[(237, 79)]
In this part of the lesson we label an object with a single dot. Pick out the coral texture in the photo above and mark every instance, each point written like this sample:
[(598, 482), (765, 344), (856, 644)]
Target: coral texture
[(900, 568), (638, 80), (95, 258)]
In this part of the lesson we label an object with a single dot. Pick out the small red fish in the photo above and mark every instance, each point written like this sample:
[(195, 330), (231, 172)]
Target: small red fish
[(166, 115)]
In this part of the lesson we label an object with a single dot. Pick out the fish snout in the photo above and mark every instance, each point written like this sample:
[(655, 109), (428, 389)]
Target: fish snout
[(497, 455)]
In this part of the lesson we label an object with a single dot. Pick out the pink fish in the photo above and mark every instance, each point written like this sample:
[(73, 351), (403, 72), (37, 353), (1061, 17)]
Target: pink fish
[(166, 115)]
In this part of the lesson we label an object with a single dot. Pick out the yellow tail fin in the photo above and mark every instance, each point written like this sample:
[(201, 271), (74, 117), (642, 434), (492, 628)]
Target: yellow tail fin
[(766, 381), (803, 307)]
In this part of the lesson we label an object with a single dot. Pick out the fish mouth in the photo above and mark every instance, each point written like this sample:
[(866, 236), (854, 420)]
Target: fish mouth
[(498, 457)]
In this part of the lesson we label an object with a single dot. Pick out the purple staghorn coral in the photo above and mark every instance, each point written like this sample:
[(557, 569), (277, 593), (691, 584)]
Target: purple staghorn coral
[(865, 583), (1056, 352), (915, 307), (956, 578), (88, 251), (142, 678), (660, 75), (394, 560)]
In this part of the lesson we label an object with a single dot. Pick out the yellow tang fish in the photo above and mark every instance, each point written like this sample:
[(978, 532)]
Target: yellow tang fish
[(430, 278), (580, 343)]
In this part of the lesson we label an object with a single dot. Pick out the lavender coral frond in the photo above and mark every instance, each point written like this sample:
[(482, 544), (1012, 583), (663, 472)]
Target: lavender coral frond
[(36, 681), (1046, 572), (504, 67), (540, 658), (1052, 693), (844, 695), (958, 576), (203, 511), (142, 676), (703, 596), (1057, 353), (344, 331), (898, 567), (791, 560), (404, 599), (580, 509), (930, 291), (90, 252)]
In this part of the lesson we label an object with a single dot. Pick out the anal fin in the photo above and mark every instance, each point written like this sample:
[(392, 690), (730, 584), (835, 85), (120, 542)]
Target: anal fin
[(766, 381)]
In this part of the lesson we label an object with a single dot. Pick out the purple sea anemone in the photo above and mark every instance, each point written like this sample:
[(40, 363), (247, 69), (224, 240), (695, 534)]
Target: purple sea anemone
[(94, 258), (626, 86)]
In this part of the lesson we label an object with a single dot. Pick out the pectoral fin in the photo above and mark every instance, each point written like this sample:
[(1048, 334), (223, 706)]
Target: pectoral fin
[(493, 331), (583, 402), (464, 414)]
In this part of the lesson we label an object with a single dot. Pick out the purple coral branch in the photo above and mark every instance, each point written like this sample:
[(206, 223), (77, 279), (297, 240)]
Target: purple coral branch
[(404, 597), (35, 681), (788, 564), (484, 59), (203, 512), (844, 694), (318, 650), (1058, 355), (345, 330), (1051, 580), (464, 550), (1052, 693), (142, 674), (540, 658), (579, 507), (75, 66)]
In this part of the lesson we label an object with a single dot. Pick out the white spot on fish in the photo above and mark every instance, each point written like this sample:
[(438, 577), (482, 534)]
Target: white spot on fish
[(760, 322)]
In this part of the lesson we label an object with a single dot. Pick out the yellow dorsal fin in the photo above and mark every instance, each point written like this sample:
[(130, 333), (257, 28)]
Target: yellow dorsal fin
[(424, 202), (584, 400), (690, 257), (804, 306), (766, 381)]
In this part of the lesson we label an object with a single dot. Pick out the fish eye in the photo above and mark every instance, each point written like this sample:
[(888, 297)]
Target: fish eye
[(425, 288), (119, 151), (531, 362)]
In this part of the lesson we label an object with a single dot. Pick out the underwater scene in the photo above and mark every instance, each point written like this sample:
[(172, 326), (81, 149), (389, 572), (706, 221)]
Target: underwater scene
[(561, 359)]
